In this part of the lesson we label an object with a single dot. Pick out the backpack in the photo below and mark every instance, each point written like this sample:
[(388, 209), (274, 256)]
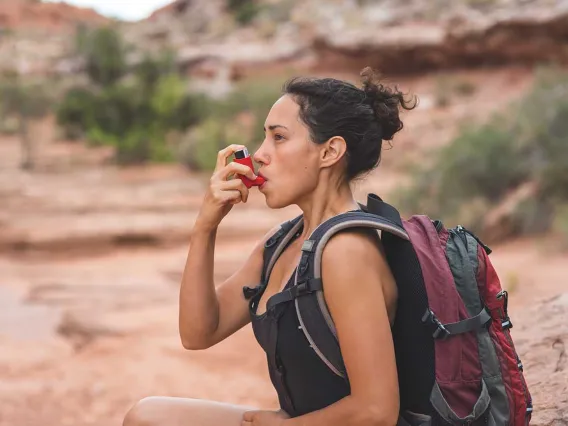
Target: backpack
[(456, 360)]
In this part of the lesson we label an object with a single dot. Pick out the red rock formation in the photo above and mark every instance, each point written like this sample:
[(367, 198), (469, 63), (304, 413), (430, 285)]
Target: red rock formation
[(53, 17)]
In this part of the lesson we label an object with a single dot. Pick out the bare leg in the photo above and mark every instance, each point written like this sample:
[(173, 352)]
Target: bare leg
[(167, 411)]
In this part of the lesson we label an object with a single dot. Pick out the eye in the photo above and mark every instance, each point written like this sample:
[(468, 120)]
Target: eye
[(278, 137)]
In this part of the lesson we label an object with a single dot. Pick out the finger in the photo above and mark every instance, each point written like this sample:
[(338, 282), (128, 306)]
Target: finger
[(248, 416), (238, 185), (227, 196), (226, 153), (236, 168)]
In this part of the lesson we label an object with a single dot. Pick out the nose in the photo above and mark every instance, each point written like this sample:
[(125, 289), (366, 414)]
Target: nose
[(261, 156)]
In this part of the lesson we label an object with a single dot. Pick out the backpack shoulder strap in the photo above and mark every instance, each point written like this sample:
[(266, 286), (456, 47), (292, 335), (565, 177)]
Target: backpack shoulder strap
[(273, 247), (276, 244), (377, 206), (313, 314)]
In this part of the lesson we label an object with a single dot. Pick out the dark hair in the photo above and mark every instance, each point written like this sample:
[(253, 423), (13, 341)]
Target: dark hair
[(364, 117)]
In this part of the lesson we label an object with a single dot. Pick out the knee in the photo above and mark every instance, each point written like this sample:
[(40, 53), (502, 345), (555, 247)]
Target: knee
[(143, 413)]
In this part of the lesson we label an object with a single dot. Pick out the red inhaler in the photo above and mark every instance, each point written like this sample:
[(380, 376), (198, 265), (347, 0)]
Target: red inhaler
[(243, 157)]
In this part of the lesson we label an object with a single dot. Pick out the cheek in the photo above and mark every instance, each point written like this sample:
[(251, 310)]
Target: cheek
[(299, 173), (301, 178)]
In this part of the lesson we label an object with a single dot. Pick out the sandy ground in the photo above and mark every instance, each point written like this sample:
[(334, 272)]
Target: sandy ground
[(91, 258)]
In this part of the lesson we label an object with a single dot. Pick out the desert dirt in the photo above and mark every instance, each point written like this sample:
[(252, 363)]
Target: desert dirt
[(91, 258)]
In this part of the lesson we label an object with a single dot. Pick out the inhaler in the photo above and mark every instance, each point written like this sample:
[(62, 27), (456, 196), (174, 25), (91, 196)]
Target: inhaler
[(242, 156)]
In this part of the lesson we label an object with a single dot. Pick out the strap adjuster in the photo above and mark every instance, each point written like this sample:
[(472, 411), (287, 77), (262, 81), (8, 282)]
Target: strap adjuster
[(250, 292), (306, 286), (441, 332), (308, 246), (300, 289), (467, 325)]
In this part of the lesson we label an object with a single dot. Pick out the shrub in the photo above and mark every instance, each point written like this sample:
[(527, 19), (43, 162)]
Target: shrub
[(125, 115), (199, 148), (526, 143), (74, 113), (244, 10), (105, 55), (253, 99)]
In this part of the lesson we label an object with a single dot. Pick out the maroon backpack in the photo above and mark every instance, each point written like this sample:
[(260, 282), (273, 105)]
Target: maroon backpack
[(456, 361)]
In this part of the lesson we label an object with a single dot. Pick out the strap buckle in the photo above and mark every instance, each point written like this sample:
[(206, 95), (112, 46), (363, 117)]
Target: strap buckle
[(250, 292), (301, 288), (441, 332), (306, 286)]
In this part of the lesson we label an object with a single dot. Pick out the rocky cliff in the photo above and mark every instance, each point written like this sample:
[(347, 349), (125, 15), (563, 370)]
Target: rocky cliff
[(395, 36), (21, 15), (35, 35)]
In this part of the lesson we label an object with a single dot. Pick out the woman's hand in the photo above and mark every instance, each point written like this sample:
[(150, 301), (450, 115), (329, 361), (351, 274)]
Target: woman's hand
[(225, 189), (264, 418)]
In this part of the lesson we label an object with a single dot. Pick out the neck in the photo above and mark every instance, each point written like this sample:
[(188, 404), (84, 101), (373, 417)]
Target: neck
[(320, 206)]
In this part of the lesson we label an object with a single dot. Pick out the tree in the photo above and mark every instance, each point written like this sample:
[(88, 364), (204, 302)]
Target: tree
[(26, 102), (105, 55)]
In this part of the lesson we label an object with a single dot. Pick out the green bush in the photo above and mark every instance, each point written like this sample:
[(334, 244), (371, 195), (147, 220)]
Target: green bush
[(137, 115), (134, 115), (198, 149), (74, 113), (239, 119), (254, 98), (105, 55), (118, 109), (244, 10), (526, 143)]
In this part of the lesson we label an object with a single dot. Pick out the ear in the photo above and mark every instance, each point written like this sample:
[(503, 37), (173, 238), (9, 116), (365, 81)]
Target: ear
[(333, 151)]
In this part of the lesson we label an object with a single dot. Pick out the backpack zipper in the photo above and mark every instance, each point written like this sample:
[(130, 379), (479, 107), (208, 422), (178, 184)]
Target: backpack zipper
[(506, 332)]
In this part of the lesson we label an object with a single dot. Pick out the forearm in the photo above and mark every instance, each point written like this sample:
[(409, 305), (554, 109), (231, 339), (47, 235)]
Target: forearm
[(347, 411), (198, 306)]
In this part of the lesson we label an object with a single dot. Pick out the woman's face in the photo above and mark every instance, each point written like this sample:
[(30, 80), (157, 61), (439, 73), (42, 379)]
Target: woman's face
[(288, 159)]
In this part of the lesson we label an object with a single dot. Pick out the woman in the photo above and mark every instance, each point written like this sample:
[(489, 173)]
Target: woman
[(320, 136)]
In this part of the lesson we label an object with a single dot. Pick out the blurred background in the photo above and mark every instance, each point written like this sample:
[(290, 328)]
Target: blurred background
[(110, 120)]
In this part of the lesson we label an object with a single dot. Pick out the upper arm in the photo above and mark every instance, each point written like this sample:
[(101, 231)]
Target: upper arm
[(358, 288), (232, 305)]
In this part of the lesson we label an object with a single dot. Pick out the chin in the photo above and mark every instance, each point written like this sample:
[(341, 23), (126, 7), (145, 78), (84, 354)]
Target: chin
[(274, 202)]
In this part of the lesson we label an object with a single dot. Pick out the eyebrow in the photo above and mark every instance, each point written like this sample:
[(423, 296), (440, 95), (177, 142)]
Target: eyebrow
[(276, 126)]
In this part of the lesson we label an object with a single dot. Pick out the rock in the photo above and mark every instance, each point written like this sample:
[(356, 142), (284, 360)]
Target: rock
[(81, 331), (541, 337), (397, 37)]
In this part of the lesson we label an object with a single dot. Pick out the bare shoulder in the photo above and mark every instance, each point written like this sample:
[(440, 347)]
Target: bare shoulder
[(356, 257), (360, 294), (355, 243)]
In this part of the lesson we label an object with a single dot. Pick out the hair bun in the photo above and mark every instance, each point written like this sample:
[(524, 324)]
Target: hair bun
[(385, 102)]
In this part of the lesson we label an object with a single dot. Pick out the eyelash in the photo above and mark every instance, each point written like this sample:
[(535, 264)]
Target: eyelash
[(277, 136)]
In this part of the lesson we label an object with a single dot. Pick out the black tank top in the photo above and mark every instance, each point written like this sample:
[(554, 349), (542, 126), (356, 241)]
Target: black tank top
[(293, 365)]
